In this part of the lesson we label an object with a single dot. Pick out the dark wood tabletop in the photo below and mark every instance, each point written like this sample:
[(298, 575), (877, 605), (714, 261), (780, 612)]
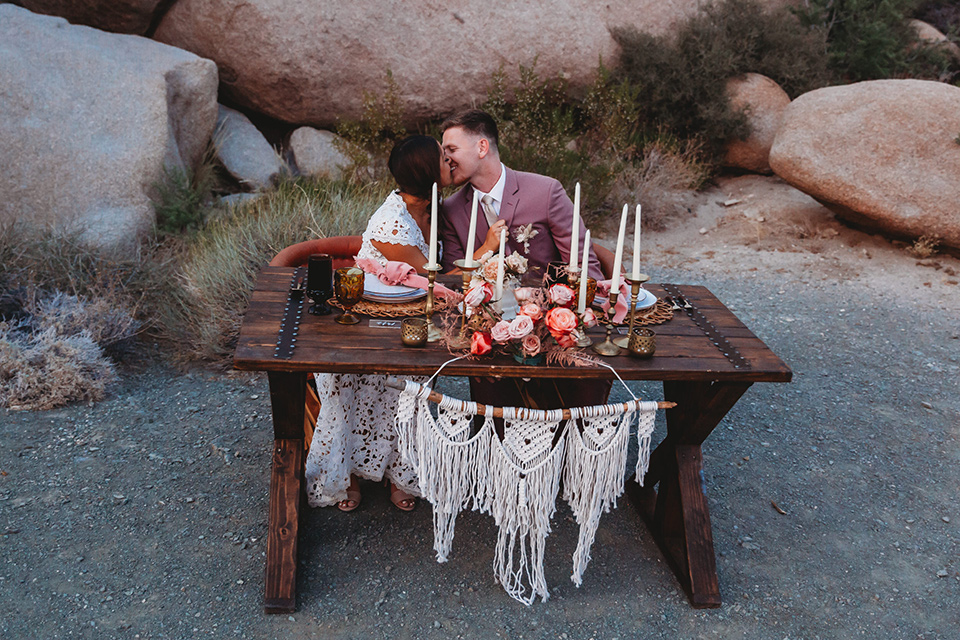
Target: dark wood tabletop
[(683, 350)]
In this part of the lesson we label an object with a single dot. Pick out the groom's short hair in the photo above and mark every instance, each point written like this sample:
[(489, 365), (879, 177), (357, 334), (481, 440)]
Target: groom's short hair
[(479, 123)]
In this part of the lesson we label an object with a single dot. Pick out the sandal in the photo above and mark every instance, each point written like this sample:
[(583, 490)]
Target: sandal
[(353, 497), (401, 499)]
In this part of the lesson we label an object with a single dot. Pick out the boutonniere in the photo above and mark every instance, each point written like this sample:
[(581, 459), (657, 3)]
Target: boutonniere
[(523, 235)]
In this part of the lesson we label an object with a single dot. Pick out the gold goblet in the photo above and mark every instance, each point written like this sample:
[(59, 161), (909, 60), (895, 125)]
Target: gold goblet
[(348, 287)]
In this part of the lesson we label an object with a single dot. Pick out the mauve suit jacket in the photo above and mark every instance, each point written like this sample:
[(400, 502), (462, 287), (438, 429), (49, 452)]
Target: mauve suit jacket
[(528, 198)]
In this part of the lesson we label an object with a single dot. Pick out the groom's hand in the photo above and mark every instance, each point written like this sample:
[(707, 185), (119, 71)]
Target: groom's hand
[(492, 241)]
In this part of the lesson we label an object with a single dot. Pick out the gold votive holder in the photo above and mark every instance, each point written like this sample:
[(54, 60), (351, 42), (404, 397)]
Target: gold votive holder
[(413, 332), (643, 342)]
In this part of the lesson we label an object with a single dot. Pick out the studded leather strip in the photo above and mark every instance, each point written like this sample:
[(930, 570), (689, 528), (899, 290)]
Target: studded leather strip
[(709, 329), (290, 324)]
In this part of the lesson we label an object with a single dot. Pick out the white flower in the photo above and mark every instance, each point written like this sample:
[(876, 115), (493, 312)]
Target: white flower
[(516, 263), (524, 235)]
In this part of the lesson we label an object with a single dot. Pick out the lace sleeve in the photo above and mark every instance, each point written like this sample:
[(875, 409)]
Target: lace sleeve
[(392, 224)]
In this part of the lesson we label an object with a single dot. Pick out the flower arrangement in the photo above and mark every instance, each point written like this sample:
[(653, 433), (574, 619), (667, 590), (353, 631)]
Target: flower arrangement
[(514, 266), (545, 326)]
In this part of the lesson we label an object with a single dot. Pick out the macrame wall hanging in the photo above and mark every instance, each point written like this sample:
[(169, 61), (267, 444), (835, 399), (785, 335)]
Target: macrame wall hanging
[(517, 479)]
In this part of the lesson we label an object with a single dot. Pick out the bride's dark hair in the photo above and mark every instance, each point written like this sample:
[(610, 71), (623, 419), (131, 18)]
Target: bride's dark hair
[(415, 165)]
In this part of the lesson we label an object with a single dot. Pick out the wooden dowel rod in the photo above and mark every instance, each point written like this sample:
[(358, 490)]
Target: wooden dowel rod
[(436, 396)]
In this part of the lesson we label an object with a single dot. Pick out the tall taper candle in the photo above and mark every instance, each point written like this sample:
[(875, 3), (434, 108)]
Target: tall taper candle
[(432, 263), (468, 258), (582, 300), (636, 246), (618, 258), (501, 267), (575, 231)]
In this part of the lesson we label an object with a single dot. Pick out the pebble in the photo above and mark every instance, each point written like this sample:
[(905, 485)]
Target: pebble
[(942, 573), (703, 231), (945, 519)]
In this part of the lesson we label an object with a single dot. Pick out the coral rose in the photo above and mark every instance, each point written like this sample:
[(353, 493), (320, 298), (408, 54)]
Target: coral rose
[(481, 343), (501, 331), (520, 326), (560, 320), (490, 270), (534, 312), (478, 294), (560, 294), (531, 344), (567, 340)]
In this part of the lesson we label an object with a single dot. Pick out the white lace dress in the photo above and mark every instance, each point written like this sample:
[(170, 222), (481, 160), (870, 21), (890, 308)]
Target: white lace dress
[(355, 427)]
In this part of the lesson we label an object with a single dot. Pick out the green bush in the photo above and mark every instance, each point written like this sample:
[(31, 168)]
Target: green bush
[(871, 39), (680, 80), (367, 142)]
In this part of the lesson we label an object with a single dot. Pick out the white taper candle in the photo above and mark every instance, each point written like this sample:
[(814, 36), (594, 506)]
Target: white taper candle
[(582, 300), (575, 231), (501, 267), (618, 258), (432, 262), (636, 246), (468, 258)]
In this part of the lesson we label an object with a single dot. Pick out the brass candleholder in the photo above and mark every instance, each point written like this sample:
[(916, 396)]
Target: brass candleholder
[(573, 278), (462, 341), (433, 332), (607, 348), (634, 294)]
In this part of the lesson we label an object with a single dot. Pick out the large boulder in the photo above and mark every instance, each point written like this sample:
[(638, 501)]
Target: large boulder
[(882, 154), (933, 37), (318, 153), (89, 122), (121, 16), (312, 62), (762, 101), (244, 152)]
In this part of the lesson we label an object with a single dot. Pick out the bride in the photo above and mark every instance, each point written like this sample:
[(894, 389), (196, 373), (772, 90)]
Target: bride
[(354, 437)]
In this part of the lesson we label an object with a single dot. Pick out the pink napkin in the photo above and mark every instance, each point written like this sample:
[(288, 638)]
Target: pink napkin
[(623, 300), (396, 272)]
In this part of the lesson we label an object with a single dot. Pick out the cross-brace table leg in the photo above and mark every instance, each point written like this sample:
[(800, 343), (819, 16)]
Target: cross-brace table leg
[(287, 395), (677, 514)]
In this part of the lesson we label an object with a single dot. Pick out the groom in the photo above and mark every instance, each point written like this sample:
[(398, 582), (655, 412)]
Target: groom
[(535, 210), (538, 216)]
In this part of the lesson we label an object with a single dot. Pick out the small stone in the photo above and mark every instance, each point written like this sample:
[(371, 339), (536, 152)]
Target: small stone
[(703, 231), (942, 573), (926, 405), (945, 518), (291, 619)]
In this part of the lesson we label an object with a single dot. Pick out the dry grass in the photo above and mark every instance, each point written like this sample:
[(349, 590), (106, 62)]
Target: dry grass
[(659, 179), (216, 269), (925, 247)]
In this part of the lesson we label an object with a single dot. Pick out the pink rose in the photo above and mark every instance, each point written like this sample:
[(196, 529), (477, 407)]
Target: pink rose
[(501, 331), (520, 326), (531, 344), (533, 311), (481, 343), (478, 294), (560, 320), (560, 294), (589, 318), (567, 340), (490, 270), (523, 294)]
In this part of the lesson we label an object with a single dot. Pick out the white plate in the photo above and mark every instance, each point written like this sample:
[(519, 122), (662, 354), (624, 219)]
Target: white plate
[(645, 300), (376, 291)]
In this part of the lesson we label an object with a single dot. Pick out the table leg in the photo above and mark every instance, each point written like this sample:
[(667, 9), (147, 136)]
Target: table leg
[(677, 514), (287, 395)]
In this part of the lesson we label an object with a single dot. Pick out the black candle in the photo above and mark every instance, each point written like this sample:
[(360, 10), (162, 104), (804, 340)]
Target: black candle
[(320, 274)]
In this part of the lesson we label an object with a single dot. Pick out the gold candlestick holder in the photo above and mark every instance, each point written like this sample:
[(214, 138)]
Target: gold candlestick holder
[(433, 332), (607, 348), (634, 294), (462, 341), (573, 278)]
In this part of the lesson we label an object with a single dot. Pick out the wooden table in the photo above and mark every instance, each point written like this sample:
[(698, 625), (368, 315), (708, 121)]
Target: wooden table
[(695, 374)]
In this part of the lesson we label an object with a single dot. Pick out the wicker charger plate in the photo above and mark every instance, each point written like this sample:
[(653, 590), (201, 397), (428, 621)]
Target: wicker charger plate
[(395, 310), (657, 314)]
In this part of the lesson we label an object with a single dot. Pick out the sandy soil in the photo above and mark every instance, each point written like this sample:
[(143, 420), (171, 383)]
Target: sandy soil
[(144, 516)]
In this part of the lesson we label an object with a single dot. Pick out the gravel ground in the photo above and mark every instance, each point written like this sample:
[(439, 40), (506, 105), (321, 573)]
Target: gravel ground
[(144, 516)]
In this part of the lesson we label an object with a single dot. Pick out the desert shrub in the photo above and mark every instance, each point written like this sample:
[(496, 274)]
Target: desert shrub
[(181, 197), (681, 78), (870, 39), (46, 369), (215, 270)]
